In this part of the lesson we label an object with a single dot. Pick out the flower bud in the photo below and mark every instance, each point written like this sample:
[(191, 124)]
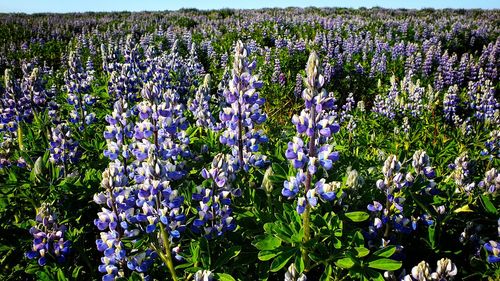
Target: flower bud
[(267, 185)]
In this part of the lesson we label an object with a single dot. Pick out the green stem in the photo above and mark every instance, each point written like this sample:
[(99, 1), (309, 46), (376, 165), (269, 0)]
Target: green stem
[(191, 274), (240, 136), (307, 235), (269, 202), (306, 216), (167, 257), (20, 137)]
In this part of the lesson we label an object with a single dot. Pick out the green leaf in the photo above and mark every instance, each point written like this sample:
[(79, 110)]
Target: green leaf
[(358, 239), (43, 276), (76, 272), (385, 252), (432, 235), (385, 264), (279, 171), (326, 274), (358, 216), (488, 206), (297, 237), (224, 277), (192, 269), (374, 275), (345, 263), (227, 255), (337, 244), (299, 263), (280, 261), (184, 265), (268, 227), (195, 251), (267, 255), (32, 268), (135, 277), (205, 253), (362, 252), (464, 209), (268, 243), (60, 275)]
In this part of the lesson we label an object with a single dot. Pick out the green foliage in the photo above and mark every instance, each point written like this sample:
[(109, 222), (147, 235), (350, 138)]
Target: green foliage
[(270, 233)]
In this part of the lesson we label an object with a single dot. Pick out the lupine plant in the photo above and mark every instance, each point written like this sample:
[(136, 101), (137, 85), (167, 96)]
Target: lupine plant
[(243, 112), (310, 151), (118, 107), (48, 238), (214, 211)]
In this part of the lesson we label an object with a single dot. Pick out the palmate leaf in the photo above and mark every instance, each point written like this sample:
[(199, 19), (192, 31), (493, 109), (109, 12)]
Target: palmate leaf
[(268, 243), (282, 259), (227, 255)]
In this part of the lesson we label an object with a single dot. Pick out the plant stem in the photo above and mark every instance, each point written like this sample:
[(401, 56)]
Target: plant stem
[(240, 135), (20, 137), (167, 257), (388, 224), (307, 213), (307, 235), (269, 202)]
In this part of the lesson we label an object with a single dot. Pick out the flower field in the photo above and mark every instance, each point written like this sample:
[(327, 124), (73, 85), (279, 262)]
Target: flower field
[(275, 144)]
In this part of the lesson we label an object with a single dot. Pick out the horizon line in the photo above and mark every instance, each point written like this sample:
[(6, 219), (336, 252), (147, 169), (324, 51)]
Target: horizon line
[(248, 9)]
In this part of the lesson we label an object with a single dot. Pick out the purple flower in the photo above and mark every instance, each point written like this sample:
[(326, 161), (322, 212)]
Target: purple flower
[(48, 238), (375, 207), (243, 112)]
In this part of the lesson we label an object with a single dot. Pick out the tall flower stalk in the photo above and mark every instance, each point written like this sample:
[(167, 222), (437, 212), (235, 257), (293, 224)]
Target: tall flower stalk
[(309, 151), (243, 112), (139, 198)]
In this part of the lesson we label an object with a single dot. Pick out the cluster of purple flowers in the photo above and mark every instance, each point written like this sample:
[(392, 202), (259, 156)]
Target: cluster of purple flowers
[(450, 105), (20, 101), (243, 112), (200, 106), (310, 151), (278, 76), (483, 102), (390, 216), (147, 144), (63, 148), (387, 106), (214, 210), (78, 85), (298, 85), (461, 174), (492, 145), (491, 181), (347, 108), (493, 249), (48, 237)]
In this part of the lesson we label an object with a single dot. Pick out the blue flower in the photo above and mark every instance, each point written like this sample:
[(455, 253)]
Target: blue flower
[(49, 241), (243, 112), (375, 207), (493, 249), (327, 191)]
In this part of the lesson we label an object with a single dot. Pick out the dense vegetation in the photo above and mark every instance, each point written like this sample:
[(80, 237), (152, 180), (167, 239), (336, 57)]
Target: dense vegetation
[(318, 144)]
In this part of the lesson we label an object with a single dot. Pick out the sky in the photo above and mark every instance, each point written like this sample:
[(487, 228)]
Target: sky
[(64, 6)]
